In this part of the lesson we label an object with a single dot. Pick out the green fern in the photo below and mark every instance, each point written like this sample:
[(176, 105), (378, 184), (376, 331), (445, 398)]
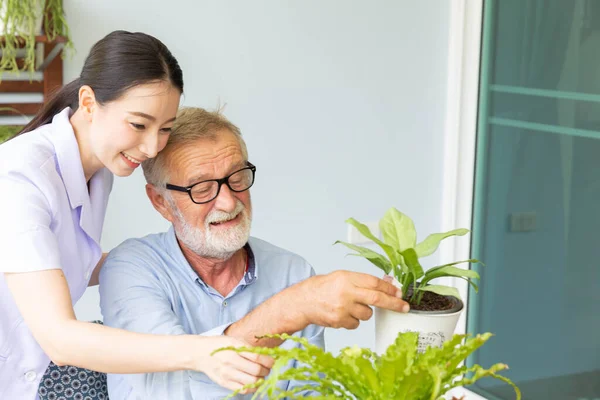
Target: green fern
[(401, 373)]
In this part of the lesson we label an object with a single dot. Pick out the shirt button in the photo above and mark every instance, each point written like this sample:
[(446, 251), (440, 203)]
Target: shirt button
[(225, 303), (30, 376)]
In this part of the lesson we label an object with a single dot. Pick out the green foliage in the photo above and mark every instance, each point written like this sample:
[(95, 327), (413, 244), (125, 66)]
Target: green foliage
[(18, 17), (402, 254), (8, 131), (401, 373)]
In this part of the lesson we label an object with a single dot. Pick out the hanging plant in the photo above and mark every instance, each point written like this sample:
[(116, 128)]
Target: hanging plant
[(8, 131), (20, 22)]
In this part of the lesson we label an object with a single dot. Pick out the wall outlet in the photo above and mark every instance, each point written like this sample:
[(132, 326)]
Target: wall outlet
[(523, 222), (355, 237)]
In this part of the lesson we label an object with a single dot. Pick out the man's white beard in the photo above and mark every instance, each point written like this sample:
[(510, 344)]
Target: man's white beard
[(215, 243)]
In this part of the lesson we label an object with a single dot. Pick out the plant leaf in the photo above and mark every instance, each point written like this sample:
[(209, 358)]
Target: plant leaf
[(399, 272), (412, 262), (397, 362), (471, 260), (432, 242), (449, 271), (398, 230), (470, 282), (366, 232), (441, 290), (374, 257)]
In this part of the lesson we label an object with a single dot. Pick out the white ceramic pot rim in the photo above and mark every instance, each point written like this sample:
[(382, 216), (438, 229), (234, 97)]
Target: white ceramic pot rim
[(454, 310)]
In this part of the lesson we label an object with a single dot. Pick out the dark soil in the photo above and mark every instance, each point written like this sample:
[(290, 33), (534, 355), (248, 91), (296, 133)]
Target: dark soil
[(434, 302)]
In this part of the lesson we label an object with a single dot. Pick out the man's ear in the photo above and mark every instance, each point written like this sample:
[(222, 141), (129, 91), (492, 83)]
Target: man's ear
[(159, 202), (87, 102)]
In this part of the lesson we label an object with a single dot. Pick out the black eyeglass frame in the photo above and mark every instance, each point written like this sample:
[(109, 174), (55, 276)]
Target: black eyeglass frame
[(220, 182)]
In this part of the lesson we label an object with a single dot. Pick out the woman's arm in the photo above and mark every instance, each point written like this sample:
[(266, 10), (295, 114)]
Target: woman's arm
[(95, 278), (50, 317)]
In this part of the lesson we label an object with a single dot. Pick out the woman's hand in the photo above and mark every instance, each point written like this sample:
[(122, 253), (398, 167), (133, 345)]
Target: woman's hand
[(230, 369)]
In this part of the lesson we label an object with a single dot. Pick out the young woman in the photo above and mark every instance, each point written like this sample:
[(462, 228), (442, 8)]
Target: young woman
[(55, 179)]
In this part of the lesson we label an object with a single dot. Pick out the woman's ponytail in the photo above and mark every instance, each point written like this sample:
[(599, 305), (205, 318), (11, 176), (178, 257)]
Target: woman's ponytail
[(66, 96)]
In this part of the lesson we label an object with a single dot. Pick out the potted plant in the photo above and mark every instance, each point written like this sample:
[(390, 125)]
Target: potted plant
[(435, 309), (20, 22), (400, 373)]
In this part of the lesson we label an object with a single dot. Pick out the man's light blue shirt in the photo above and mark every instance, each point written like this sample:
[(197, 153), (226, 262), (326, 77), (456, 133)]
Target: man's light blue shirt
[(148, 286)]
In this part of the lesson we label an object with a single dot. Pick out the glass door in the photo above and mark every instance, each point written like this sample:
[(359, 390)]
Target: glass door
[(537, 198)]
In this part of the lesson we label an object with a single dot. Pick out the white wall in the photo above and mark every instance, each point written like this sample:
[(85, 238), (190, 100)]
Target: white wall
[(342, 105)]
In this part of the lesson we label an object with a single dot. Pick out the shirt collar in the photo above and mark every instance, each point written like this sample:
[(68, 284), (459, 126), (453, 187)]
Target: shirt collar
[(93, 200), (249, 277), (68, 158)]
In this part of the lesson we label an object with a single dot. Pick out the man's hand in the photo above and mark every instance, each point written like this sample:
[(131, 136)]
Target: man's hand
[(342, 299)]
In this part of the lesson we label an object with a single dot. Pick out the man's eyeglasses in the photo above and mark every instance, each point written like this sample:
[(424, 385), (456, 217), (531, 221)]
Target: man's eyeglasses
[(206, 191)]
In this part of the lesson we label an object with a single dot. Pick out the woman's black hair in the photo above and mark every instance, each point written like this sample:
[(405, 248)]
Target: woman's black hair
[(118, 62)]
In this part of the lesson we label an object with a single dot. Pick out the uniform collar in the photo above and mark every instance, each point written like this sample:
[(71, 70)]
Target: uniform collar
[(69, 165)]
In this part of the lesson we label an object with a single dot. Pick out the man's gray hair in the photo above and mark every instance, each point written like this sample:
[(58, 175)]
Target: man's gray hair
[(192, 124)]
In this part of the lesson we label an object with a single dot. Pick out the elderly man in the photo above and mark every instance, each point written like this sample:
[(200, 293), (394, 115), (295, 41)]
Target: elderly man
[(207, 276)]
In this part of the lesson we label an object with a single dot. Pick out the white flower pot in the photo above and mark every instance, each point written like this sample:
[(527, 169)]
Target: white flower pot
[(434, 327)]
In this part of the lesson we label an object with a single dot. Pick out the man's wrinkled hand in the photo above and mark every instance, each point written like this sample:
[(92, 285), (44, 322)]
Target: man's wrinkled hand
[(342, 299)]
